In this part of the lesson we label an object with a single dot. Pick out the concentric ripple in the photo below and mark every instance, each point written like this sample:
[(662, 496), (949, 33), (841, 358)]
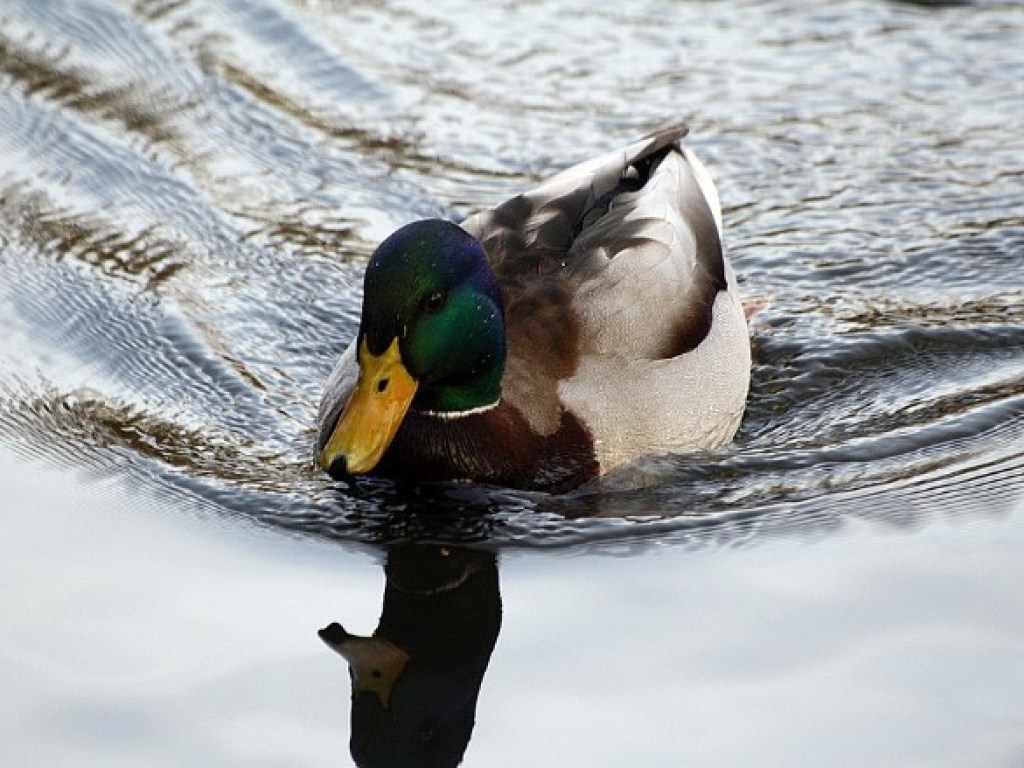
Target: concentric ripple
[(189, 192)]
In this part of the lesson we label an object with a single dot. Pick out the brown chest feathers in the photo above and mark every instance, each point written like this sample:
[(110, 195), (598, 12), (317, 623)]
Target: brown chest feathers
[(496, 446)]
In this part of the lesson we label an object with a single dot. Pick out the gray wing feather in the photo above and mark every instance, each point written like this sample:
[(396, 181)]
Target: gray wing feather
[(634, 236), (546, 220)]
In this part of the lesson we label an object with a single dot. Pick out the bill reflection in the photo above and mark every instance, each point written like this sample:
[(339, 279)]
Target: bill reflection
[(416, 680)]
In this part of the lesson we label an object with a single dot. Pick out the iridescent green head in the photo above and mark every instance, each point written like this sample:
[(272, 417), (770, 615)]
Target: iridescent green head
[(432, 337), (429, 286)]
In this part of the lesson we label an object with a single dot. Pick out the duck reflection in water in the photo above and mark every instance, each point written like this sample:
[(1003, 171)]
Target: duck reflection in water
[(416, 680)]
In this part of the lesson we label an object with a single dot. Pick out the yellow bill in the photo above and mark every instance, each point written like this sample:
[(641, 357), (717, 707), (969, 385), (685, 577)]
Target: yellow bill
[(376, 664), (373, 413)]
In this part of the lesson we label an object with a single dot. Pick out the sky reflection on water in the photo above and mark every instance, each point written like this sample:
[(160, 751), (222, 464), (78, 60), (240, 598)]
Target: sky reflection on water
[(142, 634), (188, 194)]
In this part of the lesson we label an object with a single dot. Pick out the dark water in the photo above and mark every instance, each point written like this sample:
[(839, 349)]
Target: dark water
[(188, 194)]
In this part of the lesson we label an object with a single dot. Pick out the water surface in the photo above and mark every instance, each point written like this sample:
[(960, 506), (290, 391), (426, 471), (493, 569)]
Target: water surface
[(188, 195)]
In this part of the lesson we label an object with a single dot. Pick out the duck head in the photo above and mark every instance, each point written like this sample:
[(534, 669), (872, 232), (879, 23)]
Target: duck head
[(431, 337)]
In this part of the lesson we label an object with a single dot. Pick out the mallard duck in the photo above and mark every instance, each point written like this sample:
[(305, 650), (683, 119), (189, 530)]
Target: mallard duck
[(571, 329)]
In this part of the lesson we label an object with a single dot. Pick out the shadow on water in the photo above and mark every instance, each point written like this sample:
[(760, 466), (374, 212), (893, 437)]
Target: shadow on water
[(416, 681)]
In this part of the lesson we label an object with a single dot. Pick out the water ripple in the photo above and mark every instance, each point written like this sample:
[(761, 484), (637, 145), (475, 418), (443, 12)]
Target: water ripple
[(188, 193)]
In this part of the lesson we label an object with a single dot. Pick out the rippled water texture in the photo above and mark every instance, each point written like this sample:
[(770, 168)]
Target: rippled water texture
[(189, 192)]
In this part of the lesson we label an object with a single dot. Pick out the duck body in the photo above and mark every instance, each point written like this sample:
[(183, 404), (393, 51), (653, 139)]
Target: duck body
[(567, 331)]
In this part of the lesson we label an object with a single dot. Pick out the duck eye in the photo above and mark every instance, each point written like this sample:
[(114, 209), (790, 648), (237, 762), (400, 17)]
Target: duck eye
[(435, 301)]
